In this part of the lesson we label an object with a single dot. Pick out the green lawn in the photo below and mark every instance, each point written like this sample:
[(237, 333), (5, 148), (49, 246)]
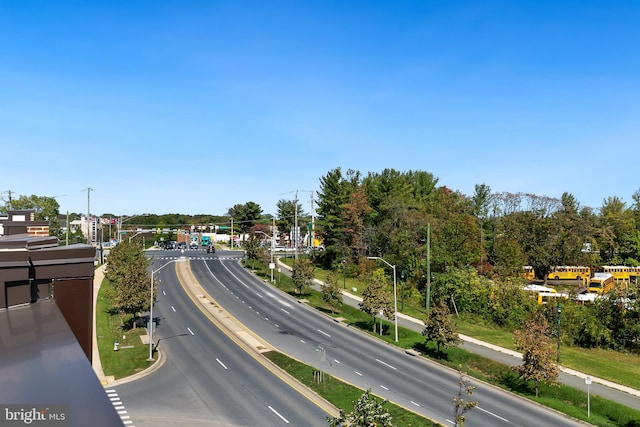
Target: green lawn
[(112, 327)]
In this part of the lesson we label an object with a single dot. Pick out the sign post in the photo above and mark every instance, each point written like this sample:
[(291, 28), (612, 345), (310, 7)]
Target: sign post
[(587, 381)]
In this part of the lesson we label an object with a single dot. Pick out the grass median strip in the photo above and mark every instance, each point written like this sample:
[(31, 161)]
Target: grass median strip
[(340, 394)]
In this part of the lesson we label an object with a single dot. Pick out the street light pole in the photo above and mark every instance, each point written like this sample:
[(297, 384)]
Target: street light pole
[(153, 272), (559, 311), (395, 298), (344, 273), (271, 264)]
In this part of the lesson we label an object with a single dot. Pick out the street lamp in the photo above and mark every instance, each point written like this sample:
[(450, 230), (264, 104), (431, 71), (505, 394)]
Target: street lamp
[(181, 259), (272, 266), (402, 294), (344, 273), (559, 311), (395, 299), (139, 233)]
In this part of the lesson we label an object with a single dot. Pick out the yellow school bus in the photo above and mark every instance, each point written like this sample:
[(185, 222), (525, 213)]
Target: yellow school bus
[(601, 283), (551, 297), (569, 272), (620, 273), (527, 273)]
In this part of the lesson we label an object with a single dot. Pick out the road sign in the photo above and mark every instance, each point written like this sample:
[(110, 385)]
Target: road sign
[(587, 380)]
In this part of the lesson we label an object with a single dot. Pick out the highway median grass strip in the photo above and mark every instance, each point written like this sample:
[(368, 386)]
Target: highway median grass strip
[(562, 398), (340, 394)]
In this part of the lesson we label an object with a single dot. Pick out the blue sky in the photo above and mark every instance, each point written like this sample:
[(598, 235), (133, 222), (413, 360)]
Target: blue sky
[(194, 106)]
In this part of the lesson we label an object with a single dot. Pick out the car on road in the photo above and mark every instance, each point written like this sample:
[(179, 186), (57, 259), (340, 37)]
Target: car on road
[(211, 249)]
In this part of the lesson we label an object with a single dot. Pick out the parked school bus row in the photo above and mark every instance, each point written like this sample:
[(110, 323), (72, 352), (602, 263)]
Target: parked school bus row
[(621, 274)]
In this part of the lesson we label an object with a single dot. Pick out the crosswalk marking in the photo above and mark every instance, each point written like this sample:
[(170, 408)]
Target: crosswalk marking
[(119, 407)]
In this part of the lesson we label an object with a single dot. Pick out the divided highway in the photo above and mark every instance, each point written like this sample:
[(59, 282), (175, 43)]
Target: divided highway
[(295, 329), (206, 379)]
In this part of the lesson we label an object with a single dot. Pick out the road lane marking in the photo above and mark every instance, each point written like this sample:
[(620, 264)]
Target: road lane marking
[(491, 413), (383, 387), (285, 311), (414, 403), (324, 333), (173, 308), (278, 414), (221, 364), (190, 331), (386, 364), (358, 373)]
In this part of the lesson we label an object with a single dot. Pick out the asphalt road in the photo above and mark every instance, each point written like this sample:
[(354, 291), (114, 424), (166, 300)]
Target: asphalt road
[(207, 380), (419, 385)]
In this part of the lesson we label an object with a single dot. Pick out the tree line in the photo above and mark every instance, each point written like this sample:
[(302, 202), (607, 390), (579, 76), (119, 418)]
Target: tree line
[(478, 245)]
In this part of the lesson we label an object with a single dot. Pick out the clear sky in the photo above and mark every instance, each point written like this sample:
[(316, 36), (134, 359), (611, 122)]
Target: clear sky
[(194, 106)]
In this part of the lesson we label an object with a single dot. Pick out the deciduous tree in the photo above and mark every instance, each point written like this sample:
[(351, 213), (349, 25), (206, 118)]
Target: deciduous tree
[(302, 273), (376, 297), (537, 352), (461, 406), (439, 327), (127, 272), (367, 412), (331, 293)]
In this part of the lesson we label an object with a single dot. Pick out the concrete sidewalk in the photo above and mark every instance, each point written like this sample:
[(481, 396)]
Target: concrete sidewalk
[(95, 354)]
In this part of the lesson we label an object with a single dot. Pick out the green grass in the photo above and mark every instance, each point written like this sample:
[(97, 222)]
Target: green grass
[(340, 394), (562, 398), (112, 327), (615, 366)]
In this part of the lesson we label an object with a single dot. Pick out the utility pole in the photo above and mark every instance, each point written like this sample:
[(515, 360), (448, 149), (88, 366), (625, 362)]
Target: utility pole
[(295, 229), (10, 200), (313, 240), (428, 296), (312, 231), (89, 190)]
